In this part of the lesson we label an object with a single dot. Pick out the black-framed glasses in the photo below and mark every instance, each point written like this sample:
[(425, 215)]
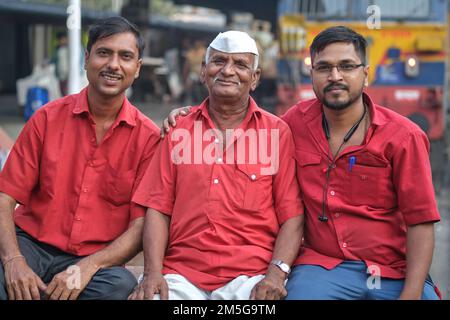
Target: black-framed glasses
[(341, 67)]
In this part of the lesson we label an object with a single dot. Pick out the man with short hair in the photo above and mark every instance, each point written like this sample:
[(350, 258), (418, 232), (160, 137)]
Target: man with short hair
[(73, 170), (225, 217), (365, 175)]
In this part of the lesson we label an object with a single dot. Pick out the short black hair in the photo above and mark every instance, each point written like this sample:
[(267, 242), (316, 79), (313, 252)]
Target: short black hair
[(339, 34), (60, 35), (107, 27)]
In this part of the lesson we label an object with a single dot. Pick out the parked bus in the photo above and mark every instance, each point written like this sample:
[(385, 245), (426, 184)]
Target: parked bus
[(407, 53)]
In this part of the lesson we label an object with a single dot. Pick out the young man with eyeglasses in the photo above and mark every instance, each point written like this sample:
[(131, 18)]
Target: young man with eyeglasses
[(365, 176), (366, 184)]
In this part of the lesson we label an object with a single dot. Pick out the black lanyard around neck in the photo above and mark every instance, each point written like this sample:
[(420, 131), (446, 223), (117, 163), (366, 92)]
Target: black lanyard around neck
[(348, 135), (323, 217)]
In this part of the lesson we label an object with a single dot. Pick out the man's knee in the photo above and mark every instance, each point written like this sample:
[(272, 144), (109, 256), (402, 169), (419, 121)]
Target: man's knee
[(311, 282), (115, 283), (300, 284), (124, 284)]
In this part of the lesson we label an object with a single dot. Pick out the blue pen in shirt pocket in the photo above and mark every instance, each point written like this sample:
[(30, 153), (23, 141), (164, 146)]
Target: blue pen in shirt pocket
[(351, 163)]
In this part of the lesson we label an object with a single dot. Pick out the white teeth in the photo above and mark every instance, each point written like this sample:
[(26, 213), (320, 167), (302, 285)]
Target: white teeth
[(111, 78)]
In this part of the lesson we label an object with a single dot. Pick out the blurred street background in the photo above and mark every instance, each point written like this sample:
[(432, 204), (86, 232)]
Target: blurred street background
[(408, 53)]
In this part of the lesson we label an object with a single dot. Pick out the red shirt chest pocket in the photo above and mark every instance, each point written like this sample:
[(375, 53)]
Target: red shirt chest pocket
[(256, 187), (310, 173), (117, 186), (369, 181)]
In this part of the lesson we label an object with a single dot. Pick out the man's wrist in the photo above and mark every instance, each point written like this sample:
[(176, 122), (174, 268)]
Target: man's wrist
[(4, 256), (152, 272), (276, 272), (410, 295), (411, 292), (9, 259), (281, 265), (91, 263)]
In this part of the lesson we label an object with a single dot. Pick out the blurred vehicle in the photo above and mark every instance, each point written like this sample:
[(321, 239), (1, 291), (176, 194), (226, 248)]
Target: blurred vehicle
[(43, 76), (406, 51)]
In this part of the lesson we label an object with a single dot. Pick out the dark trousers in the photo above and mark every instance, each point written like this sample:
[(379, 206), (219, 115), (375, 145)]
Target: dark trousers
[(114, 283)]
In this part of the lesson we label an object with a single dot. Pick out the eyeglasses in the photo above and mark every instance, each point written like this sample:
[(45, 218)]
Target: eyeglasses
[(343, 68)]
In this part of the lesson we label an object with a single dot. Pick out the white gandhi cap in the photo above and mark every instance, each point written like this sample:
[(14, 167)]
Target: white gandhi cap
[(234, 42)]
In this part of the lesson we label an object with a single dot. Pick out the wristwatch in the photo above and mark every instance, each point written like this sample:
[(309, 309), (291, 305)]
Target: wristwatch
[(283, 266)]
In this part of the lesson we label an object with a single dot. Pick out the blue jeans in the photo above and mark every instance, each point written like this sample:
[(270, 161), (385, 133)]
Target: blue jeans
[(347, 281)]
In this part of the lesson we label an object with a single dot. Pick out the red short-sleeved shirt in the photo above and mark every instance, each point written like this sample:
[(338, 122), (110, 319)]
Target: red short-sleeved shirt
[(370, 205), (75, 194), (225, 215)]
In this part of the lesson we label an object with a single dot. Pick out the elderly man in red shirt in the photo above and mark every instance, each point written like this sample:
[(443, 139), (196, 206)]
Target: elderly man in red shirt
[(73, 170), (365, 177), (225, 216)]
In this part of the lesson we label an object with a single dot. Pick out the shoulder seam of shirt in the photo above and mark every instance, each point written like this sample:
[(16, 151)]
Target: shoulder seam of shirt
[(408, 135)]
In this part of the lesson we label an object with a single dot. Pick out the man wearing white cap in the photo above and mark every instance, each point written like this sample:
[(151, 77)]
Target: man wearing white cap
[(224, 218)]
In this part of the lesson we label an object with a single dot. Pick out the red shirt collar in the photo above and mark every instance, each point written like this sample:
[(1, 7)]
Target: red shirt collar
[(378, 118), (253, 109), (126, 114)]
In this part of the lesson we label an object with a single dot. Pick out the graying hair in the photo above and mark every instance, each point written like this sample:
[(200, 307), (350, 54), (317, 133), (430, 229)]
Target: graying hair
[(255, 62)]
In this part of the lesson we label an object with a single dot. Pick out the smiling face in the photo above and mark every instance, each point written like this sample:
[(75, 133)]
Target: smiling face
[(230, 76), (112, 64), (338, 89)]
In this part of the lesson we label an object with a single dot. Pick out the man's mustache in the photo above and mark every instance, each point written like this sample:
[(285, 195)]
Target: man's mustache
[(333, 86), (111, 74), (218, 78)]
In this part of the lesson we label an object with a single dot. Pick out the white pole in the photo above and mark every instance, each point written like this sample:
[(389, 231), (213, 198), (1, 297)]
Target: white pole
[(116, 5), (74, 35)]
